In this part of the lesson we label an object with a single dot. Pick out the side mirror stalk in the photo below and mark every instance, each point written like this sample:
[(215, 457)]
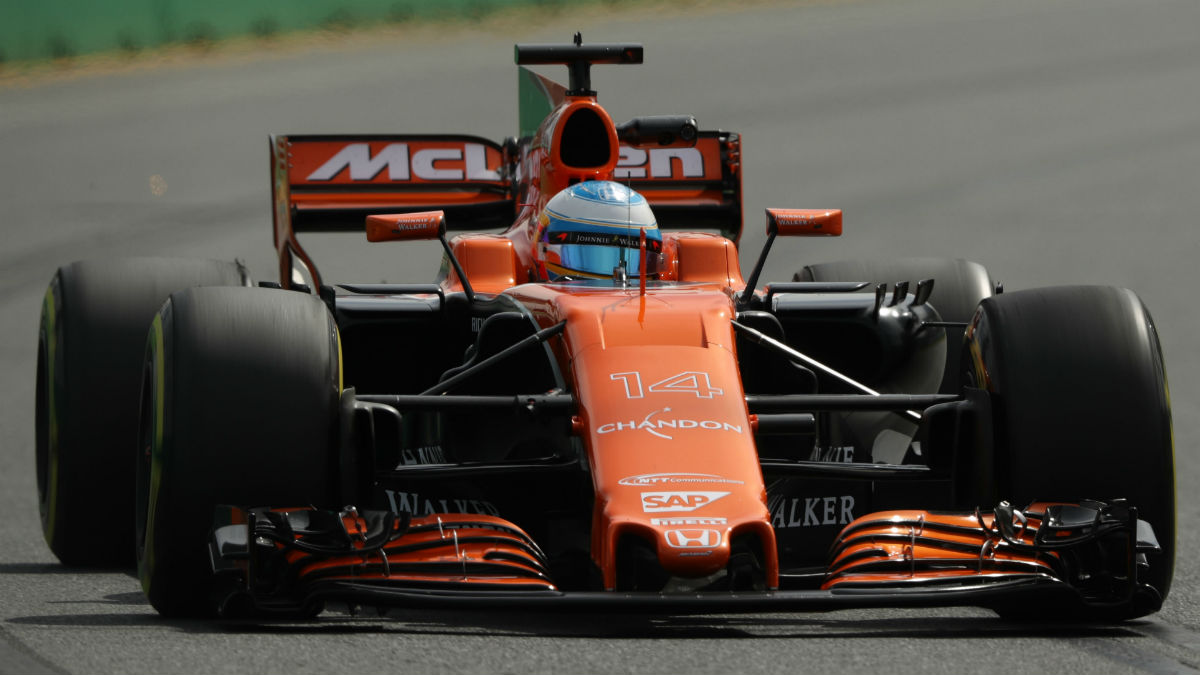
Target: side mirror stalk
[(422, 225), (794, 223)]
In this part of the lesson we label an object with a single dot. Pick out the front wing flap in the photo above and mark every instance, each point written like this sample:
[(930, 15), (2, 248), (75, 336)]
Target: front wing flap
[(1096, 549), (288, 559)]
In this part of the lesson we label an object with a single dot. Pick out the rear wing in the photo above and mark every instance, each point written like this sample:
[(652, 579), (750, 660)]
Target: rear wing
[(332, 183)]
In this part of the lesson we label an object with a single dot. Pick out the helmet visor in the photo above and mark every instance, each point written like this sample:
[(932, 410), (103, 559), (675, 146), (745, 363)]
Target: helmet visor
[(600, 261)]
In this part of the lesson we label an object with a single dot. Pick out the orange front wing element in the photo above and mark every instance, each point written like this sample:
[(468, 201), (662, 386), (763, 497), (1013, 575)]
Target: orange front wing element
[(920, 548), (447, 550), (294, 552)]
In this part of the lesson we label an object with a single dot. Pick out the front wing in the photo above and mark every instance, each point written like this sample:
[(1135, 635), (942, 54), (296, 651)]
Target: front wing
[(1084, 555)]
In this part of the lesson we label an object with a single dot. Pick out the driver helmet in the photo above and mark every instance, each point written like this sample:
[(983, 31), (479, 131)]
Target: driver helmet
[(591, 228)]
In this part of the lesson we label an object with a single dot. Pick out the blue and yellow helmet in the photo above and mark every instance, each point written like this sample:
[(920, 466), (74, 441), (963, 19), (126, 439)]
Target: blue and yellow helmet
[(593, 227)]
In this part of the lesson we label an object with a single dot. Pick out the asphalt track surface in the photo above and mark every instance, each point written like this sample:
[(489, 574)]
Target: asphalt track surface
[(1053, 142)]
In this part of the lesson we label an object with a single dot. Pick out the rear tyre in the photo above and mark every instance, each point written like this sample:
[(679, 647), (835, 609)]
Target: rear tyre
[(1080, 406), (90, 349), (958, 287), (240, 407)]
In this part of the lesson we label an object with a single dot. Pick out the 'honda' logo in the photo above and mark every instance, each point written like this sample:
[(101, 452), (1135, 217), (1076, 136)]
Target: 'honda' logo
[(693, 538)]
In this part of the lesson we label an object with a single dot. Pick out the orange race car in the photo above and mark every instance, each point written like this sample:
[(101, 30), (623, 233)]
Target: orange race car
[(594, 407)]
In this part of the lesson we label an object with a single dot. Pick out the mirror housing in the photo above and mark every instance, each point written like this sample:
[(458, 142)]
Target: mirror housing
[(406, 226), (805, 222), (655, 130)]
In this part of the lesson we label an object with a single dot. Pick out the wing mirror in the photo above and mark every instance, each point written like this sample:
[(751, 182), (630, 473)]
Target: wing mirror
[(805, 222), (791, 223), (418, 226), (406, 226)]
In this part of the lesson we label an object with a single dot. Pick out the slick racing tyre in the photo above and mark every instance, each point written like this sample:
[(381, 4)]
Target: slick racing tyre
[(1080, 407), (958, 287), (239, 407), (89, 366)]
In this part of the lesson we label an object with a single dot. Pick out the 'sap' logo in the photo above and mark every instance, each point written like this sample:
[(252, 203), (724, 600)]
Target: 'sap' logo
[(660, 502), (704, 538)]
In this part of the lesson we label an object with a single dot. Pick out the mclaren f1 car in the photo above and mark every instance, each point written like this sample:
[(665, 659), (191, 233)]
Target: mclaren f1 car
[(592, 405)]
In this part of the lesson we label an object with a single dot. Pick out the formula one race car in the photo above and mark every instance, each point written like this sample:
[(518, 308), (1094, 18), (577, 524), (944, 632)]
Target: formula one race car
[(593, 407)]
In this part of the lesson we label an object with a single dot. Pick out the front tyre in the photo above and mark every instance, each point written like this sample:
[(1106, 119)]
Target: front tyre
[(240, 407), (1080, 406), (90, 347)]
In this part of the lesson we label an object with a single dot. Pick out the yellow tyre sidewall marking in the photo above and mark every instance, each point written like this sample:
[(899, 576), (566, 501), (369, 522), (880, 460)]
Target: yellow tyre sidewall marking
[(147, 564)]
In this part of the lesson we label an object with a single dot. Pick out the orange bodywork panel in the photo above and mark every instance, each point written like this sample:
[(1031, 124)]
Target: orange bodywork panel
[(490, 262), (559, 171), (701, 257), (659, 389)]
